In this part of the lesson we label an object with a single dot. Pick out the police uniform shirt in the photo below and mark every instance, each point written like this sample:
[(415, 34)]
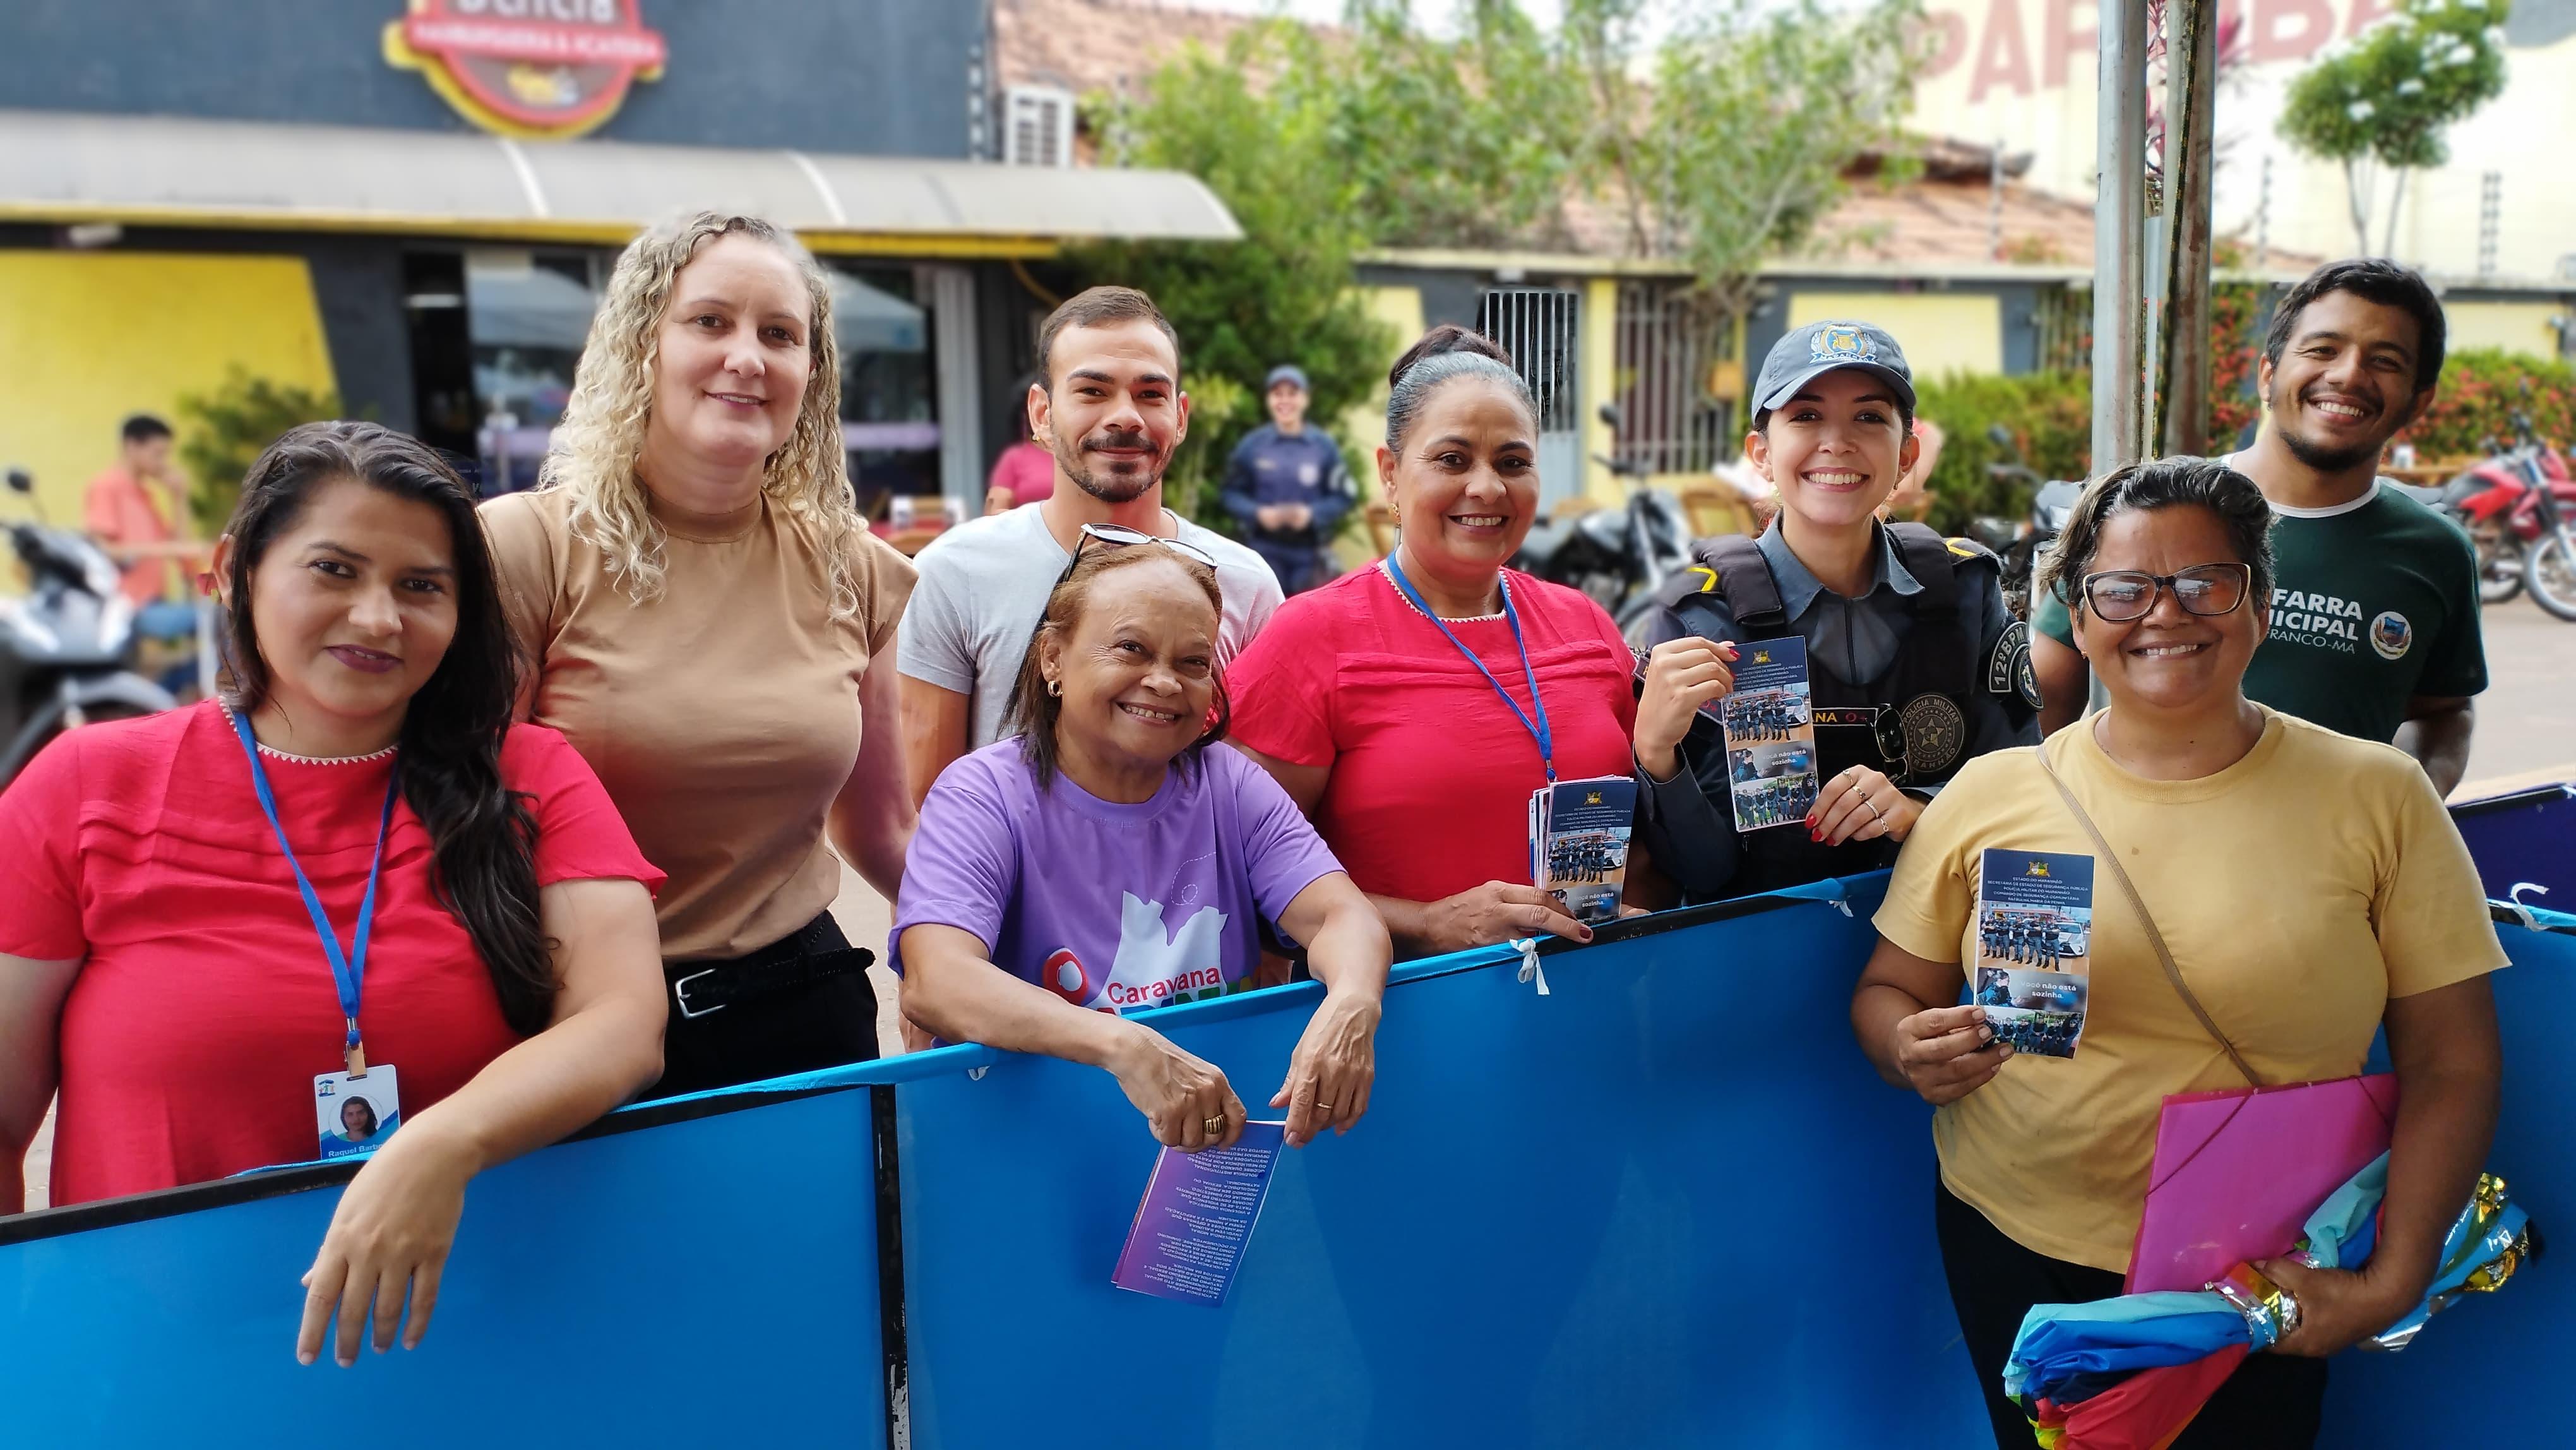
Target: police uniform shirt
[(1270, 467), (1690, 830)]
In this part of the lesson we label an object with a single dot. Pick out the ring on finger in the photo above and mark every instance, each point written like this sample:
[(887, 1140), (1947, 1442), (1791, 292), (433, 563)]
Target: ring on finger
[(1875, 813), (1215, 1125)]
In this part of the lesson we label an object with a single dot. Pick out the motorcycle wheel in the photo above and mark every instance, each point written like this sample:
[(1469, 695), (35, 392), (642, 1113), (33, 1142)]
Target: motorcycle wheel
[(2549, 572), (2501, 565)]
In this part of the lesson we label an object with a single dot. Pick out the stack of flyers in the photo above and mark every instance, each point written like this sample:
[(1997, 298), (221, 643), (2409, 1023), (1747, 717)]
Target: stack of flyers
[(1579, 843), (1770, 735), (2034, 947)]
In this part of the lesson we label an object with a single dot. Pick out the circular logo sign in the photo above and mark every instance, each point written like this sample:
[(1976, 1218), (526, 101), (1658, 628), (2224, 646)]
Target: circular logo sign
[(537, 68), (1935, 733), (2391, 635)]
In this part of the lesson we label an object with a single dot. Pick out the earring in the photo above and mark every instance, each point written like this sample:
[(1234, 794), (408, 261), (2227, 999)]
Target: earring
[(1055, 689)]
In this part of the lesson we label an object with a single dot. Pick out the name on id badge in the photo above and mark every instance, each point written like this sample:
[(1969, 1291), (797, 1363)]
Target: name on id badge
[(355, 1114)]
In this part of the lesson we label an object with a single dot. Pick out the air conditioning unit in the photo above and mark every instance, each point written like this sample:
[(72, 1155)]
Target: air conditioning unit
[(1037, 126)]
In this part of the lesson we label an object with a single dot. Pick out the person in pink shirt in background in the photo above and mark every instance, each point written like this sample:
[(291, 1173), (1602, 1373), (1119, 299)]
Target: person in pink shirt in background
[(1025, 473), (137, 510)]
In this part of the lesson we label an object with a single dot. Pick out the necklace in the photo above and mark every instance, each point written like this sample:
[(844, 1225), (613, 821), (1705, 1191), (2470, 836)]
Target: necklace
[(274, 754), (1407, 597)]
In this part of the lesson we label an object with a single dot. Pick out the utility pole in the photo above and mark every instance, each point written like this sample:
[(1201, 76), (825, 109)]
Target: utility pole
[(2191, 74), (2119, 235)]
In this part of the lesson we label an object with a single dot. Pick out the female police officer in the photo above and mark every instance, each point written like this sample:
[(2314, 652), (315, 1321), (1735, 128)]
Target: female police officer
[(1914, 663)]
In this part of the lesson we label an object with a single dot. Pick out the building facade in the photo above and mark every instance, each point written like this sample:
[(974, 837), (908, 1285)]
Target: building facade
[(415, 204)]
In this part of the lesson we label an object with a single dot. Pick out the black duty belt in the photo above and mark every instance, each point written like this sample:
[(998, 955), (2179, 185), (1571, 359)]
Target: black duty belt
[(783, 964)]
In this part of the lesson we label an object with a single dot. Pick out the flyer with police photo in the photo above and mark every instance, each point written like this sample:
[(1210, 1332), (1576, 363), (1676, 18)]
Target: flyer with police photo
[(2034, 948), (1770, 735)]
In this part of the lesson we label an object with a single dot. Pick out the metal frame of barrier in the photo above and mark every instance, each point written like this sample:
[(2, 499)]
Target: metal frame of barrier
[(1666, 1203)]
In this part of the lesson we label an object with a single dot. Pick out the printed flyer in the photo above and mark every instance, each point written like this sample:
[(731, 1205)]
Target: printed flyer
[(1579, 843), (1770, 735), (1197, 1216), (2034, 947)]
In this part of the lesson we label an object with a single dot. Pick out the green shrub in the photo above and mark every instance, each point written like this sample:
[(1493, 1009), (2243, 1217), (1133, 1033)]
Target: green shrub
[(2050, 417), (2482, 388), (223, 432)]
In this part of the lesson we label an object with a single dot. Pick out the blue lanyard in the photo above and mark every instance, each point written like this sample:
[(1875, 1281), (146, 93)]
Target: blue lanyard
[(349, 969), (1538, 729)]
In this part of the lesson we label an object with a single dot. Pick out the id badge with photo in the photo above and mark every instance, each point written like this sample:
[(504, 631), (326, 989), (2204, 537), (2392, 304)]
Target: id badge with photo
[(356, 1114)]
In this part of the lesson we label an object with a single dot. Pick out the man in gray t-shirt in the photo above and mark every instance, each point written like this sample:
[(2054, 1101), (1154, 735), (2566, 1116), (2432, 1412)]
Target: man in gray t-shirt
[(1110, 408), (984, 584)]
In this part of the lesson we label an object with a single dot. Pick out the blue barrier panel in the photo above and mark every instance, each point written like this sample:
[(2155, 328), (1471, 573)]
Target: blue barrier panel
[(705, 1282), (2527, 836), (2493, 1368), (1666, 1204)]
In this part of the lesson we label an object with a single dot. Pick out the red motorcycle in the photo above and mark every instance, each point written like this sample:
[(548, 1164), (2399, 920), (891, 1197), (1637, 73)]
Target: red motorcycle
[(2516, 508)]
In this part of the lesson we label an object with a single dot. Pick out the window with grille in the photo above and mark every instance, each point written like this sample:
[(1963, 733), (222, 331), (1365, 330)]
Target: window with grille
[(1668, 347)]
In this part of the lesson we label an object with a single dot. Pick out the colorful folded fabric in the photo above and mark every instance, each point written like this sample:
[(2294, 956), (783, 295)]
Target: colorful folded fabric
[(2130, 1372)]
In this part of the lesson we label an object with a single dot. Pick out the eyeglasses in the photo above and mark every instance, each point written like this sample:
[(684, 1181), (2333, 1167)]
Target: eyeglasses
[(2117, 596), (1119, 536)]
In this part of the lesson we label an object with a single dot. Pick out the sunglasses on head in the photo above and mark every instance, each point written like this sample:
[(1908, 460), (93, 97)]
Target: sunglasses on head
[(1115, 536)]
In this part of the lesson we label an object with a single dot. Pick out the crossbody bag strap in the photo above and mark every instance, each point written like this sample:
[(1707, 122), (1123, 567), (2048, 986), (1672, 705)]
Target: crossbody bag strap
[(2138, 903)]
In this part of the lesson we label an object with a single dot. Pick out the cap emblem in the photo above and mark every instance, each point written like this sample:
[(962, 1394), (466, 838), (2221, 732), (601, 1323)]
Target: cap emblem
[(1842, 342)]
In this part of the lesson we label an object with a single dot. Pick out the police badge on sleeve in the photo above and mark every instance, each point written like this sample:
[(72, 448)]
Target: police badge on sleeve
[(2008, 670)]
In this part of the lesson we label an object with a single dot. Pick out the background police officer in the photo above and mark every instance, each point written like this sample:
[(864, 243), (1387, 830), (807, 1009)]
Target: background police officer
[(1287, 485)]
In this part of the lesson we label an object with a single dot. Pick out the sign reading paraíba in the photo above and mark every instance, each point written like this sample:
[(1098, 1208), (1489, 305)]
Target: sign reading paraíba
[(536, 68)]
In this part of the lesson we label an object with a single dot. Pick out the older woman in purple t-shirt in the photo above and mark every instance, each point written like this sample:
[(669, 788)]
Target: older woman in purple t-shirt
[(1108, 860)]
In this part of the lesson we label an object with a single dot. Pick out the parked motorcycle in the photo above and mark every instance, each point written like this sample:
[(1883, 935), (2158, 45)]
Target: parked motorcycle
[(2511, 505), (2019, 543), (1617, 556), (66, 649)]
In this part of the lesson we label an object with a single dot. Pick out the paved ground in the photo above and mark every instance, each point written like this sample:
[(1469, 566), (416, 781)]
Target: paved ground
[(2527, 718), (2526, 736)]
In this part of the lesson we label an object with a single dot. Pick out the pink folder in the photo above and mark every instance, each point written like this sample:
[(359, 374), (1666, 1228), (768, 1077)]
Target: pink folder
[(2237, 1172)]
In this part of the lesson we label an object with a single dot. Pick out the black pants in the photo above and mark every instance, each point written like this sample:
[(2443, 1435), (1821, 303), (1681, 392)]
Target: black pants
[(816, 1024), (2272, 1402)]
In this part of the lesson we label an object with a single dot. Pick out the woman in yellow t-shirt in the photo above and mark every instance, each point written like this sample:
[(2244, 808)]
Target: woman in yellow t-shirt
[(711, 625), (2310, 888)]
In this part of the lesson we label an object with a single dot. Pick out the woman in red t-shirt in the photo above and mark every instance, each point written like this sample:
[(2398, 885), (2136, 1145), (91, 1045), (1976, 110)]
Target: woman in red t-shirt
[(162, 955), (1416, 764)]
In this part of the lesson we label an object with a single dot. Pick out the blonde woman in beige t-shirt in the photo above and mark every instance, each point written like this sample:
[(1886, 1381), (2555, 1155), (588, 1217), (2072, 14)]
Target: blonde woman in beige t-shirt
[(711, 625)]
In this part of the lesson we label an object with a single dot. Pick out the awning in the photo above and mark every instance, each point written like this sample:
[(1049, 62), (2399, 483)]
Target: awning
[(70, 167)]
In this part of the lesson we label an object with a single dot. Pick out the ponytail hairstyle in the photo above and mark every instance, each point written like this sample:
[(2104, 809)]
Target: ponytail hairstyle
[(1034, 713), (481, 831), (1444, 353)]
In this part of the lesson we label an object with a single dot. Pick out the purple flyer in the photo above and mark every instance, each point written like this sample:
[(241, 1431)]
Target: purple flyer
[(1196, 1216)]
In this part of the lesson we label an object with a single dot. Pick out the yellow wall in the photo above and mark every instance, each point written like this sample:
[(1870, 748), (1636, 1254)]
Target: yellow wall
[(1599, 381), (1941, 332), (2521, 327), (87, 338)]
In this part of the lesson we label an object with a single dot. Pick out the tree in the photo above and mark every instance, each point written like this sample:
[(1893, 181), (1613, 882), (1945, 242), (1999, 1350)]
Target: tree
[(1756, 112), (2384, 98), (1471, 142), (224, 430), (1282, 294)]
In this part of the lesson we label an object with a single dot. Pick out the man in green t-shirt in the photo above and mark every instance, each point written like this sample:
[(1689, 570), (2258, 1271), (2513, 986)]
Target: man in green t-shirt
[(2374, 628)]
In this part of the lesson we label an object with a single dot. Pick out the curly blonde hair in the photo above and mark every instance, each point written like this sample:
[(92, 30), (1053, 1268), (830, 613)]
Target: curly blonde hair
[(602, 434)]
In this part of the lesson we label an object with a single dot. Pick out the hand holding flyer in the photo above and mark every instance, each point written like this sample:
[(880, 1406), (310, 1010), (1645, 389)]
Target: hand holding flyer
[(1196, 1218), (2034, 948), (1770, 735)]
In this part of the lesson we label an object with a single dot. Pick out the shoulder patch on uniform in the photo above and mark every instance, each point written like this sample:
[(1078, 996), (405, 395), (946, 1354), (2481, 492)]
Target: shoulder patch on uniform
[(1969, 549), (2008, 668)]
